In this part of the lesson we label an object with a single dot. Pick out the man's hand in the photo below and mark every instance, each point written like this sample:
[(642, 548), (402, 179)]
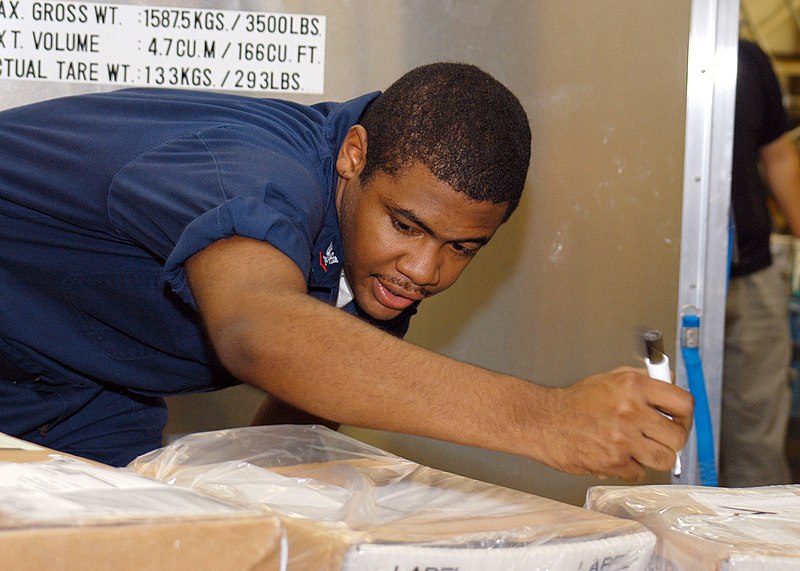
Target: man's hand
[(612, 425)]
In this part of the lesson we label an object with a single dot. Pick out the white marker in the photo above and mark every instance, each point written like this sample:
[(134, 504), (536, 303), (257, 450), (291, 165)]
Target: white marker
[(658, 368)]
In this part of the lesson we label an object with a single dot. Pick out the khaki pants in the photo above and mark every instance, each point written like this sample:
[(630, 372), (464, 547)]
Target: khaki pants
[(756, 396)]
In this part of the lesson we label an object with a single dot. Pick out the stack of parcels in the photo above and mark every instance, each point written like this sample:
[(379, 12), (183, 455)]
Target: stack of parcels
[(702, 528), (347, 506), (60, 512)]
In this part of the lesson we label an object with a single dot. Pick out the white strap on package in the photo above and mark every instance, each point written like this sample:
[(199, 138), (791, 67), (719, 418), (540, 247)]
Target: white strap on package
[(63, 489), (764, 515), (12, 443), (759, 517)]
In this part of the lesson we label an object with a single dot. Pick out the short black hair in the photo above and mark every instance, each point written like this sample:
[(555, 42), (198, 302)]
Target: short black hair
[(466, 127)]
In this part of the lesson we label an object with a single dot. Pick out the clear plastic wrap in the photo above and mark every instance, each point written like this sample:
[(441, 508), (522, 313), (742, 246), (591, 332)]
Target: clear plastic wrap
[(63, 490), (702, 528), (349, 506), (61, 512)]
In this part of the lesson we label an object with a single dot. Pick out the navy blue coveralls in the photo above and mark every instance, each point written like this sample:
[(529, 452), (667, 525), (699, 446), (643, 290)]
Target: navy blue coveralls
[(103, 197)]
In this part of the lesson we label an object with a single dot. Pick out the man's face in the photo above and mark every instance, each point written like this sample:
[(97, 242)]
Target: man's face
[(409, 236)]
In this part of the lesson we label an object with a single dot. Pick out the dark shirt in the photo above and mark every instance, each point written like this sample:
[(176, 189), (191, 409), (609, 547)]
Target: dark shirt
[(760, 119), (103, 197)]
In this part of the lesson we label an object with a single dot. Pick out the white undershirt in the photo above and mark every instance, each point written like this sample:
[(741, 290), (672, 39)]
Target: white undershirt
[(345, 294)]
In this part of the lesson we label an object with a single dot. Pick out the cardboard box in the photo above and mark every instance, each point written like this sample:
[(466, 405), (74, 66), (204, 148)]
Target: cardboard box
[(347, 506), (704, 528), (58, 512)]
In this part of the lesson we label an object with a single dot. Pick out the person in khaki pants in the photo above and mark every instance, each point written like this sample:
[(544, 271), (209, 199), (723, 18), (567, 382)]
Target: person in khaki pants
[(756, 397)]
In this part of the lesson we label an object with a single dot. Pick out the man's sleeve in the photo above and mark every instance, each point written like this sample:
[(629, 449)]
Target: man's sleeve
[(181, 197), (775, 121)]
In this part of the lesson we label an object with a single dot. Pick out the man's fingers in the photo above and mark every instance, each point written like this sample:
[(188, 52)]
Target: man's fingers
[(666, 431), (656, 455), (673, 401), (625, 468)]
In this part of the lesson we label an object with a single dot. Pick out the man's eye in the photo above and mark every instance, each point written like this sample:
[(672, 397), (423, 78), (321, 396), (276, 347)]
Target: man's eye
[(401, 227), (462, 250)]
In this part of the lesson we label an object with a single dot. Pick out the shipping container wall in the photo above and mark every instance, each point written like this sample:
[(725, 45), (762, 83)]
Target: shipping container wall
[(592, 254)]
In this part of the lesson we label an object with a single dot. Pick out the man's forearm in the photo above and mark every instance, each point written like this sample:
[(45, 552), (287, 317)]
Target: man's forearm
[(268, 332), (603, 425), (345, 370), (781, 164)]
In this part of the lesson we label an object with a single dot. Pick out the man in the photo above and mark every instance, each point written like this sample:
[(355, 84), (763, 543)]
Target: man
[(756, 399), (156, 242)]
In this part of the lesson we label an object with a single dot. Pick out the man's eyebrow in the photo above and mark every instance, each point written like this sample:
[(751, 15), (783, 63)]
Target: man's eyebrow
[(414, 219), (411, 217)]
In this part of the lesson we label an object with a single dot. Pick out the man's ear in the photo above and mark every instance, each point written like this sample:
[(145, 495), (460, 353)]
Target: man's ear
[(353, 153)]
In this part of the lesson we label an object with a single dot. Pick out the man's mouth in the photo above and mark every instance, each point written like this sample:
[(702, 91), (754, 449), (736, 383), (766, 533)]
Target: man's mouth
[(393, 295)]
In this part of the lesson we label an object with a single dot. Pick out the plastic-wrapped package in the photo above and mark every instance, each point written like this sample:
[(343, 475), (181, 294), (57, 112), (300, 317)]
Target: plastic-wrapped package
[(698, 528), (61, 512), (348, 506)]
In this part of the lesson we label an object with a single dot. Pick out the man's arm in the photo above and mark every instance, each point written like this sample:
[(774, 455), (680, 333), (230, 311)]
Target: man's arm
[(781, 167), (275, 411), (269, 333)]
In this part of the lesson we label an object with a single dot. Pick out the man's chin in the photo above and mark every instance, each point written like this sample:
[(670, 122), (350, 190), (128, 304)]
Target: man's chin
[(373, 308), (380, 313)]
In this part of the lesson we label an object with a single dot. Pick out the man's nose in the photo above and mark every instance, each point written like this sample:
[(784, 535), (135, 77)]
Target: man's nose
[(421, 264)]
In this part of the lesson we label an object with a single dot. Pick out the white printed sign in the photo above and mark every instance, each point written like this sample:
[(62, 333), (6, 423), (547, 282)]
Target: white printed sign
[(149, 46)]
